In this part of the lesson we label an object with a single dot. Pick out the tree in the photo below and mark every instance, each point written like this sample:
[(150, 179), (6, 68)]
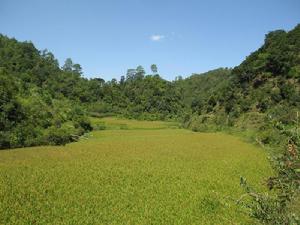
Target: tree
[(68, 66), (122, 80), (178, 78), (130, 74), (154, 68), (48, 56), (76, 68), (140, 72)]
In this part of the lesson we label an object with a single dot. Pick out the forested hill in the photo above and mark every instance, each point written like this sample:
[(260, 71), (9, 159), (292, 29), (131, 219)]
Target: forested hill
[(36, 97), (266, 86), (42, 103)]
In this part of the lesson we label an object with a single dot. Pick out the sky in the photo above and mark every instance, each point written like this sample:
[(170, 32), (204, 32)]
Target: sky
[(107, 37)]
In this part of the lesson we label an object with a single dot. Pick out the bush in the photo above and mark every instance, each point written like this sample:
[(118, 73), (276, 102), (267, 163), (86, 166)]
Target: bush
[(275, 207), (58, 136), (251, 120), (83, 122), (206, 123), (4, 140), (100, 108), (270, 136)]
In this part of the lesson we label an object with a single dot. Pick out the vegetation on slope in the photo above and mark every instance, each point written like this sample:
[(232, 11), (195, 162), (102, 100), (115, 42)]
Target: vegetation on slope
[(36, 100), (261, 92)]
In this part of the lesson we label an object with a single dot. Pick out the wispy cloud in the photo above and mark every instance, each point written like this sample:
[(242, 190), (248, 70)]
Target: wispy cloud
[(157, 37)]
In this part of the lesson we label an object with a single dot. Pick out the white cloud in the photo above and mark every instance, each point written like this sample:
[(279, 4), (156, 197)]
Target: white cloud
[(157, 37)]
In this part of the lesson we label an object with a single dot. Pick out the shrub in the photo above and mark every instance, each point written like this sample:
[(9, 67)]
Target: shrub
[(58, 136), (4, 140), (274, 207), (83, 122)]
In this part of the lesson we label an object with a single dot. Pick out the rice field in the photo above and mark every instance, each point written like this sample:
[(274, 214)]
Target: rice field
[(132, 172)]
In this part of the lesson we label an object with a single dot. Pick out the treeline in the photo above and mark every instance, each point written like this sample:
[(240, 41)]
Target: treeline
[(43, 103)]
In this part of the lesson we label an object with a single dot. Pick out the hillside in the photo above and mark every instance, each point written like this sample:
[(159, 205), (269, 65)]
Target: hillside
[(262, 93), (36, 98)]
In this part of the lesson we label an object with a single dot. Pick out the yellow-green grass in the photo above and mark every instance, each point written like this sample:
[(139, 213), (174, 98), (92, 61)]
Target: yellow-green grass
[(149, 173), (119, 123)]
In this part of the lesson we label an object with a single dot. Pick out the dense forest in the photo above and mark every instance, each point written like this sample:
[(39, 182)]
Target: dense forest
[(43, 103)]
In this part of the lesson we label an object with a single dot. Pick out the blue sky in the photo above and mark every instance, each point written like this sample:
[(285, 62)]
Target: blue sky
[(181, 36)]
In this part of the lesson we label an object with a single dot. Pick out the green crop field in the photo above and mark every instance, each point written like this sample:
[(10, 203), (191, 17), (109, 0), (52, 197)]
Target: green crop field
[(131, 173)]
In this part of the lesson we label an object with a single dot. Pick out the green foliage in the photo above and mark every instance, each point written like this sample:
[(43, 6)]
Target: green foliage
[(57, 136), (83, 123), (276, 207), (266, 83), (34, 102), (260, 92), (154, 68)]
